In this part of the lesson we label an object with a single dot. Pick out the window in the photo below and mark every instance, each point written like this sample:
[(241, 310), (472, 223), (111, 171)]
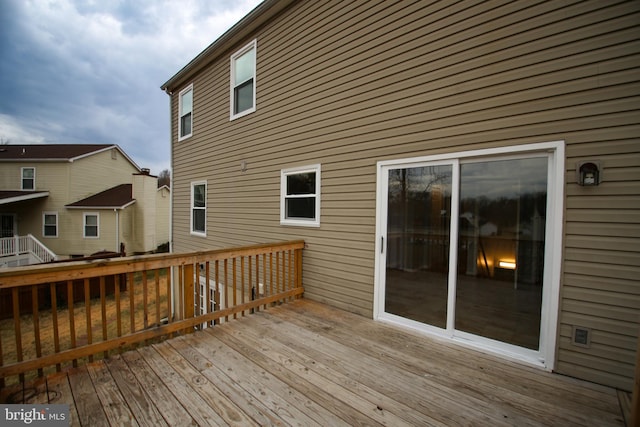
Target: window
[(50, 224), (91, 225), (198, 208), (243, 81), (185, 107), (28, 178), (300, 196)]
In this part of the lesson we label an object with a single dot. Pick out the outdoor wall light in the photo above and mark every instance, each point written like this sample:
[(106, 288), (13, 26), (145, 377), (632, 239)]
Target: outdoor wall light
[(588, 173)]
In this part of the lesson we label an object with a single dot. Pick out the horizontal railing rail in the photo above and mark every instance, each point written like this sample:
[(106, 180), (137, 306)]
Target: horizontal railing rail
[(19, 245), (39, 250), (89, 309)]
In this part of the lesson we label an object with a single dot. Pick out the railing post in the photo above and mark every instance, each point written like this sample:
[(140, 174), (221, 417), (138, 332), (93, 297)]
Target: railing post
[(188, 294), (298, 255)]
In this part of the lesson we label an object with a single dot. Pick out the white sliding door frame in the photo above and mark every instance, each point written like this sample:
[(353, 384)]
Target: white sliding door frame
[(545, 355)]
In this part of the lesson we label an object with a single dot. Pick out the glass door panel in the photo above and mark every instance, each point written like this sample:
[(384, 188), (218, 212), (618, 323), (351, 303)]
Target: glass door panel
[(418, 230), (501, 241)]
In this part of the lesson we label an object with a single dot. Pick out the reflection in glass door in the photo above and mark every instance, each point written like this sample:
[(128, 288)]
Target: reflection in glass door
[(488, 287), (418, 234), (501, 250)]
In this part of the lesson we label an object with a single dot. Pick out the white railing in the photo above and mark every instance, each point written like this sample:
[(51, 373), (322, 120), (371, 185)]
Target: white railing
[(23, 245)]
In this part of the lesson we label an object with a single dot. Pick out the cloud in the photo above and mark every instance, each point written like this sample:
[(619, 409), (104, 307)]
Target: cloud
[(90, 71), (12, 132)]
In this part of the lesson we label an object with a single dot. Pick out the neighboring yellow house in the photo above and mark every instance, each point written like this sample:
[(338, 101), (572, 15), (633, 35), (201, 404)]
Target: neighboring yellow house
[(76, 200)]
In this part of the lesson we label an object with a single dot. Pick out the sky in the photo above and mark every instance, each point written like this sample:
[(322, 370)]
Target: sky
[(90, 71)]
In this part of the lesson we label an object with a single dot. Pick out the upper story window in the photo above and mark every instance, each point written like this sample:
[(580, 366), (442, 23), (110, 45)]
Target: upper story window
[(243, 81), (199, 208), (185, 113), (28, 178), (300, 196), (50, 224), (91, 225)]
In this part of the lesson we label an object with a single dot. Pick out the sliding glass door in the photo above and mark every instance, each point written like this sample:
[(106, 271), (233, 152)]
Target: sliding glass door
[(418, 235), (464, 246)]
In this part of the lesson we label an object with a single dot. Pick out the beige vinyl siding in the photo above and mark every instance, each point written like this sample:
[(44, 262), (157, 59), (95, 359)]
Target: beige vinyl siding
[(98, 172), (87, 246), (11, 175), (349, 84), (127, 227), (602, 263), (163, 208), (144, 192), (51, 177)]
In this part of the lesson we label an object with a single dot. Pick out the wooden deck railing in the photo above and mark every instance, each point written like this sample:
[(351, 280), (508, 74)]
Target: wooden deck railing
[(88, 309)]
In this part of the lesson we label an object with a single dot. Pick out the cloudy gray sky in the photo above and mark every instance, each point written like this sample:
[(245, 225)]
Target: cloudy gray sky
[(74, 71)]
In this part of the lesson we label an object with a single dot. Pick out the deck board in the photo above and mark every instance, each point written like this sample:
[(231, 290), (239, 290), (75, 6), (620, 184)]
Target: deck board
[(305, 363), (184, 394), (142, 407), (85, 399), (157, 390), (251, 406), (113, 402), (59, 392)]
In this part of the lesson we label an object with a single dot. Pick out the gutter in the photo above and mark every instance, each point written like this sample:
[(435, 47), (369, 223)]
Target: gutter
[(103, 207)]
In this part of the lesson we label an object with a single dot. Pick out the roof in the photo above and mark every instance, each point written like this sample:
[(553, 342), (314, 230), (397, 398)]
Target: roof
[(55, 152), (118, 197), (49, 151), (7, 197), (262, 14)]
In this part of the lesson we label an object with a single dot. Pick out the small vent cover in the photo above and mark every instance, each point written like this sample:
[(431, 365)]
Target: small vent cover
[(581, 336)]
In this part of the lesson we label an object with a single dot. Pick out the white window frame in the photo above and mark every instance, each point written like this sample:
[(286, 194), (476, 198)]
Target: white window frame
[(44, 224), (302, 222), (180, 95), (192, 208), (84, 225), (22, 178), (545, 357), (253, 45)]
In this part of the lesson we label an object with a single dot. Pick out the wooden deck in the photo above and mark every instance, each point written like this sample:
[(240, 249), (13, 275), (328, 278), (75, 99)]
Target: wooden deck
[(306, 364)]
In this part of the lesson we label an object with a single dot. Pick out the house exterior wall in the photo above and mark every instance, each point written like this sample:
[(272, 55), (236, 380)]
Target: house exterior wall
[(107, 240), (98, 172), (144, 191), (126, 228), (163, 209), (51, 177), (347, 85), (68, 182)]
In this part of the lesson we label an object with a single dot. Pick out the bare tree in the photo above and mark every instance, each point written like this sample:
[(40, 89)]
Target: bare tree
[(4, 141), (164, 178)]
